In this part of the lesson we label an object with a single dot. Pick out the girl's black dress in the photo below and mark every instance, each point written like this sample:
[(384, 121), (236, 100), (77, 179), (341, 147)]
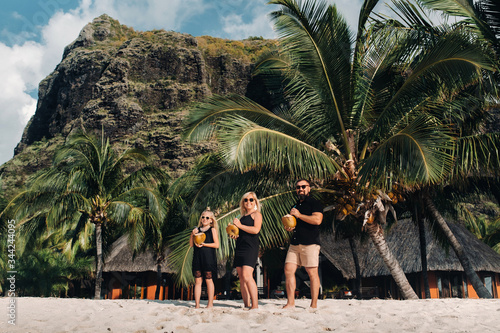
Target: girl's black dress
[(204, 258), (247, 245)]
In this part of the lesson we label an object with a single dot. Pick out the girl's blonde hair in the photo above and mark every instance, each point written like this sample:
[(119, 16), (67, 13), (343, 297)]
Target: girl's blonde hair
[(242, 207), (213, 222)]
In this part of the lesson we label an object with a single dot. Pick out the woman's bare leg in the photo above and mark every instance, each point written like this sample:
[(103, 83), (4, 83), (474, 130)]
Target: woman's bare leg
[(251, 286)]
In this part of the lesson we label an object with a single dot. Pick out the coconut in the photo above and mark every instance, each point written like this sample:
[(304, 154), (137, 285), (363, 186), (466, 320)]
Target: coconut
[(289, 221), (232, 230), (199, 238)]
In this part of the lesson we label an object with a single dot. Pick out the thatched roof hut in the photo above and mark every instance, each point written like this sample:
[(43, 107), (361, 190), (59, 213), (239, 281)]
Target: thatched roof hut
[(403, 241), (129, 277), (120, 259)]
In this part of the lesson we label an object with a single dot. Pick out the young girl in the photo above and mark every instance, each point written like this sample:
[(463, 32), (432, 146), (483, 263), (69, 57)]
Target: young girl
[(204, 258), (247, 247)]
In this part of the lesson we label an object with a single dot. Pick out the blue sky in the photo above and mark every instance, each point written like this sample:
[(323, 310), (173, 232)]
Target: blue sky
[(33, 34)]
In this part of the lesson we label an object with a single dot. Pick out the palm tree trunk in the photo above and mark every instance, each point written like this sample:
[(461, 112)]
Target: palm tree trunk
[(478, 286), (100, 264), (392, 264), (158, 281), (357, 287), (423, 251)]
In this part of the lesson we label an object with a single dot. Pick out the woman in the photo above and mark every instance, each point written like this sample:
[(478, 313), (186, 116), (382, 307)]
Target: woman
[(204, 257), (247, 247)]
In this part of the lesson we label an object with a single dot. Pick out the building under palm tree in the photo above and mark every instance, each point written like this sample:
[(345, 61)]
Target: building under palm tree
[(128, 276), (445, 273)]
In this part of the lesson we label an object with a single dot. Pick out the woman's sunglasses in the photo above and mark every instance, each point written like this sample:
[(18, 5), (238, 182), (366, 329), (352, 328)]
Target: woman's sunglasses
[(251, 199), (298, 187), (205, 217)]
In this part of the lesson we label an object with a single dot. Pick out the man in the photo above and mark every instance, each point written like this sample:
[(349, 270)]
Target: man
[(304, 246)]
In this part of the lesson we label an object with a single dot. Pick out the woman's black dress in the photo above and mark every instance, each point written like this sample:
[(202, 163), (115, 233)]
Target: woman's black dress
[(247, 245), (204, 258)]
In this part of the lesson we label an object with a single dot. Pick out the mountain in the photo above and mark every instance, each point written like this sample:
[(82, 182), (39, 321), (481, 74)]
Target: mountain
[(136, 86)]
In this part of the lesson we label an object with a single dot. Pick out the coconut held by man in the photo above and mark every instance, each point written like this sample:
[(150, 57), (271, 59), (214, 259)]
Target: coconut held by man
[(289, 221)]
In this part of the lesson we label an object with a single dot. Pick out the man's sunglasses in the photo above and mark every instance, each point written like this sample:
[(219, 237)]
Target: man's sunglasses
[(251, 199), (298, 187)]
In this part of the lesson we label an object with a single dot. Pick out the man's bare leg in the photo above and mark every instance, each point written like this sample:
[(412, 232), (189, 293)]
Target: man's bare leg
[(315, 283), (290, 269)]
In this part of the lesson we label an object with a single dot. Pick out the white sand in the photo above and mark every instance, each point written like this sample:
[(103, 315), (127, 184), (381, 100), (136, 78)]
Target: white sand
[(141, 316)]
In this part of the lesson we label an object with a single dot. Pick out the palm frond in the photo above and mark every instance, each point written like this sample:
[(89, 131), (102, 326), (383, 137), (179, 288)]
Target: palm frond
[(319, 43), (245, 145), (467, 10), (418, 154), (181, 258), (378, 73), (203, 121), (478, 154), (446, 61), (412, 15)]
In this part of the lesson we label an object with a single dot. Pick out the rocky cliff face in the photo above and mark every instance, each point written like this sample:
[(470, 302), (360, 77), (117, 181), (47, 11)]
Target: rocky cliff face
[(137, 87)]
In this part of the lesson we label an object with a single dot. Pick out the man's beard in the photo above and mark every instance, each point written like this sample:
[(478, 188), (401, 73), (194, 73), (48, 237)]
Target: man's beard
[(302, 196)]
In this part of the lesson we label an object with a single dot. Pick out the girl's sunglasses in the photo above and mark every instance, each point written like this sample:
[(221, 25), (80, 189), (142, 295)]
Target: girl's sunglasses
[(205, 217), (251, 199)]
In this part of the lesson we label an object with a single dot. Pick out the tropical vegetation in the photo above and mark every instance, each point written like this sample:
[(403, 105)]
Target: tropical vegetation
[(48, 272), (85, 198)]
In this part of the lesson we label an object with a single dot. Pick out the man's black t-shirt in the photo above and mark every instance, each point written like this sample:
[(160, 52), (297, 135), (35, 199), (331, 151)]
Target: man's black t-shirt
[(305, 233)]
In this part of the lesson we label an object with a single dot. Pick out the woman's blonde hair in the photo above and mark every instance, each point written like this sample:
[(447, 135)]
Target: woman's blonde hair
[(242, 207), (213, 222)]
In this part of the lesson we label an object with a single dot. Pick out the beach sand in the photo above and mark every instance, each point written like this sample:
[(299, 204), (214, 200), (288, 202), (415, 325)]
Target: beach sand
[(142, 316)]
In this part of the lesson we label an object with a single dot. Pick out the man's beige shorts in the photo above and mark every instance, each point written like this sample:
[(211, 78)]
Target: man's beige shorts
[(303, 255)]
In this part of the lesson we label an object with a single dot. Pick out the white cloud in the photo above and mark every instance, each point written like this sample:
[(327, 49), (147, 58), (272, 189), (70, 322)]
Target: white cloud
[(21, 71), (253, 22), (61, 30), (157, 13), (146, 14), (237, 25), (16, 15)]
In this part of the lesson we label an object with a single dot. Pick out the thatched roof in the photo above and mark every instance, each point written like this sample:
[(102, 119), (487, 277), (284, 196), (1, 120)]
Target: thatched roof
[(120, 259), (403, 240), (340, 255)]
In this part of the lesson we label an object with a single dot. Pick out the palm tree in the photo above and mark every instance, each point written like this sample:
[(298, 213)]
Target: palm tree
[(86, 194), (418, 218), (362, 119)]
